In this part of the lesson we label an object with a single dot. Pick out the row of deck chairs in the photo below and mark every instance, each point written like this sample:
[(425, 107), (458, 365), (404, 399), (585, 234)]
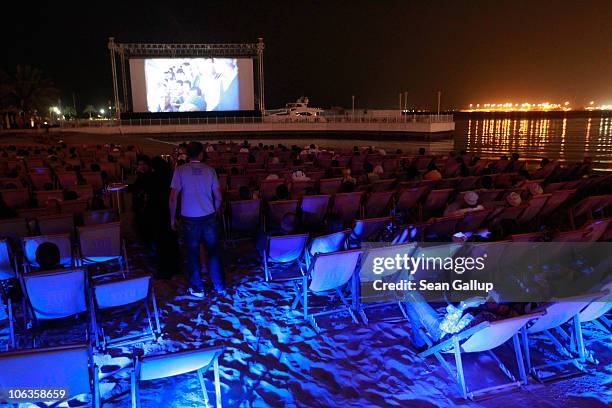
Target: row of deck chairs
[(561, 320), (244, 218), (19, 198), (563, 316), (72, 370)]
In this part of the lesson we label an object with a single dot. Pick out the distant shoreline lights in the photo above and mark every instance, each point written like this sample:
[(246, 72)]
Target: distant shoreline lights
[(530, 107)]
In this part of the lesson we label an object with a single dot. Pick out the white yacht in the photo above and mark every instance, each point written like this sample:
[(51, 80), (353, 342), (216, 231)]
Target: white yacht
[(297, 111)]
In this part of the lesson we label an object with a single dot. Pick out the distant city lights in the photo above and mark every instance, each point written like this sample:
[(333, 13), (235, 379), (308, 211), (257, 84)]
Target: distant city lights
[(530, 107)]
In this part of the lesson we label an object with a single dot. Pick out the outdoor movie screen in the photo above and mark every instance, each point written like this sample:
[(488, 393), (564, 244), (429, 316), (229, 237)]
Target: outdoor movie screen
[(192, 84)]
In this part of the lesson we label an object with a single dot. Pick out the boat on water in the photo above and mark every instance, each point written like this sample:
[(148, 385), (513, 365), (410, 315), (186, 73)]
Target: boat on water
[(298, 111)]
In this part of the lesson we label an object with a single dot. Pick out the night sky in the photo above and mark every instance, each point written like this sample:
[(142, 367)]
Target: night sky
[(474, 51)]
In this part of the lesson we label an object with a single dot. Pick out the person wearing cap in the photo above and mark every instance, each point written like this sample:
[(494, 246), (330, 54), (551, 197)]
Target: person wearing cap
[(513, 199), (468, 204), (200, 192)]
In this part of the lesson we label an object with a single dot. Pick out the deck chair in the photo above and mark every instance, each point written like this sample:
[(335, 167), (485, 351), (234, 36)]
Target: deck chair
[(14, 229), (556, 314), (448, 183), (552, 187), (314, 209), (472, 220), (378, 204), (527, 237), (325, 244), (366, 275), (534, 207), (327, 274), (436, 201), (285, 249), (16, 198), (84, 191), (588, 206), (242, 218), (44, 198), (570, 236), (171, 364), (488, 195), (56, 224), (39, 180), (100, 217), (596, 229), (121, 292), (467, 183), (505, 213), (298, 188), (237, 181), (69, 368), (31, 244), (102, 243), (595, 313), (383, 185), (482, 338), (93, 179), (329, 186), (408, 200), (267, 188), (73, 207), (67, 180), (276, 210), (223, 181), (441, 228), (545, 171), (556, 199), (366, 229), (347, 206), (8, 268), (55, 294)]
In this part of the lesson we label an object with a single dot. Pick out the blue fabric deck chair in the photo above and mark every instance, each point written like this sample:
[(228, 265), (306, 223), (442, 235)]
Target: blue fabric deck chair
[(55, 294), (63, 242), (328, 274), (284, 249), (366, 275), (366, 229), (8, 266), (168, 365), (242, 219), (325, 244), (121, 292), (69, 369), (101, 244), (313, 209), (595, 313), (556, 314), (482, 338)]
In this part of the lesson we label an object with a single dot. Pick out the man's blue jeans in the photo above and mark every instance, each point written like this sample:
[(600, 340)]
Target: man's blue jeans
[(197, 230)]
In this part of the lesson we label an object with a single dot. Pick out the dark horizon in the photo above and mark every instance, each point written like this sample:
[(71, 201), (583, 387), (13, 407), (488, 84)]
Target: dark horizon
[(475, 52)]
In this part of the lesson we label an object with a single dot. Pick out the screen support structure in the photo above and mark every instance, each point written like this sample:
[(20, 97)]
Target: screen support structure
[(125, 51)]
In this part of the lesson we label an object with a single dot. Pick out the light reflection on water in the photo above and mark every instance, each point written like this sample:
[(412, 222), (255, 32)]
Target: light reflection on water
[(566, 139)]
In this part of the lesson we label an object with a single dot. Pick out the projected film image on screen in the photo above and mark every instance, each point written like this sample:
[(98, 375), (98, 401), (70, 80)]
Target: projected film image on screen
[(192, 84)]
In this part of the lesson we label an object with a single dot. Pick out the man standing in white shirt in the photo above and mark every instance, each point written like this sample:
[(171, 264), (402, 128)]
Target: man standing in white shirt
[(198, 186)]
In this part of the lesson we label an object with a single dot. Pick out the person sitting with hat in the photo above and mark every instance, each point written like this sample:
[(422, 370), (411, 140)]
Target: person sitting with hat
[(460, 207)]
